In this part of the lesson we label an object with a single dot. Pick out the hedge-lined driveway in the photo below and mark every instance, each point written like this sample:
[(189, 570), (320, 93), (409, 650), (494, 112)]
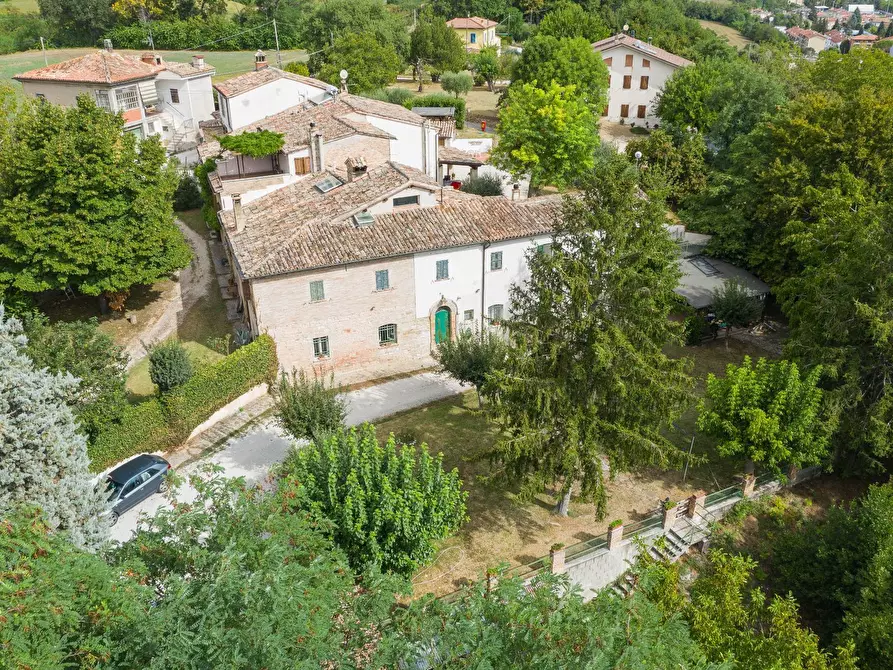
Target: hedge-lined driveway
[(251, 454)]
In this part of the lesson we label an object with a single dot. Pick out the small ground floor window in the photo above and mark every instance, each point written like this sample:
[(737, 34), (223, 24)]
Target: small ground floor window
[(321, 347), (387, 334)]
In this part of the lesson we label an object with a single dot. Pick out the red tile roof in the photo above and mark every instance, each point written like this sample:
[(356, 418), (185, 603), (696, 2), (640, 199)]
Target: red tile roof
[(251, 80), (867, 37), (643, 47), (471, 22), (101, 67)]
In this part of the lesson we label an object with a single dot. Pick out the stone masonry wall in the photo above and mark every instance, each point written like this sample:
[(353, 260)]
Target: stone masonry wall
[(350, 316)]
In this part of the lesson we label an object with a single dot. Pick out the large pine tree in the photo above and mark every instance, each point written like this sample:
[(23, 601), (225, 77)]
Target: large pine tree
[(587, 385), (43, 459)]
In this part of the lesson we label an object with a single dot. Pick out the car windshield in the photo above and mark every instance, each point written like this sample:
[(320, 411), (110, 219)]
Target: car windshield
[(113, 488)]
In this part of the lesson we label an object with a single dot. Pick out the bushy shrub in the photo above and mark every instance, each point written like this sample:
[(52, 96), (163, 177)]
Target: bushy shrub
[(169, 365), (209, 210), (214, 386), (485, 184), (296, 67), (696, 329), (142, 428), (188, 195), (439, 100), (457, 83), (308, 408)]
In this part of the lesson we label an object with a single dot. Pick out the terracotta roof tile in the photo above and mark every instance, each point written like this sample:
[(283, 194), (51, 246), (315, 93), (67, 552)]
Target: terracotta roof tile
[(643, 47), (251, 80), (471, 22), (188, 69), (100, 67), (298, 228)]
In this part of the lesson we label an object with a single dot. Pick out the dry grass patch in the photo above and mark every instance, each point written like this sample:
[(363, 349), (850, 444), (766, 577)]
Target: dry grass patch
[(735, 38)]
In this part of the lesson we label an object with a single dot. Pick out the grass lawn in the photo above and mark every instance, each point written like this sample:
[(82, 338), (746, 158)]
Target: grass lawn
[(228, 63), (734, 38), (479, 102), (140, 387), (500, 529), (194, 219), (23, 6)]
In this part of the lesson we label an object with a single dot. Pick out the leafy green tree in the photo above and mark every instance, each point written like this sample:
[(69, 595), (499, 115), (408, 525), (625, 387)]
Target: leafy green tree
[(471, 356), (80, 348), (435, 46), (546, 133), (188, 194), (586, 383), (308, 409), (370, 64), (839, 307), (456, 82), (544, 625), (257, 143), (43, 459), (566, 61), (62, 606), (672, 162), (767, 413), (735, 305), (296, 67), (78, 21), (244, 579), (325, 21), (84, 204), (169, 365), (486, 64), (569, 20), (386, 505)]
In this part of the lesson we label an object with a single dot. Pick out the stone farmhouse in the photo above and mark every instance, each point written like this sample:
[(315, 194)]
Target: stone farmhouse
[(637, 74), (155, 97), (345, 246)]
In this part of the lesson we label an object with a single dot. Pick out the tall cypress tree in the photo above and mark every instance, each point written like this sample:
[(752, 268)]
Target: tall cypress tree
[(587, 386), (43, 459)]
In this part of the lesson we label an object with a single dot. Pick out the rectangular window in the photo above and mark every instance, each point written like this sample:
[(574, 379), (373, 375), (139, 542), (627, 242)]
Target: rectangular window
[(544, 248), (627, 81), (474, 38), (646, 62), (406, 201), (127, 98), (382, 281), (641, 111), (468, 315), (629, 60), (624, 111), (443, 270), (609, 61), (496, 260), (317, 291), (175, 96), (302, 165), (494, 312), (321, 347), (102, 100), (387, 334), (643, 83)]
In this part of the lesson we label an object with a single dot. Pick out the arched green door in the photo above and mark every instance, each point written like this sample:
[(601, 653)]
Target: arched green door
[(441, 325)]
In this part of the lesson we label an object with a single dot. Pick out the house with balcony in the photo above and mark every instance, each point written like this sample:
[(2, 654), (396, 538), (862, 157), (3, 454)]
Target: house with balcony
[(476, 33), (154, 97), (637, 73)]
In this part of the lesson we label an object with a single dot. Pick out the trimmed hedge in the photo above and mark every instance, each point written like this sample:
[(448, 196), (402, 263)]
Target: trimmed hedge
[(439, 100), (216, 385), (161, 423), (143, 428)]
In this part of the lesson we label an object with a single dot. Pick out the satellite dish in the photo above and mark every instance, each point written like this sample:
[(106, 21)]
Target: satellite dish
[(625, 27), (638, 155), (343, 74)]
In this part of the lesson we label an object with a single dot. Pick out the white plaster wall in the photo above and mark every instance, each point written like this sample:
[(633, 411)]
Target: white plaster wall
[(463, 287), (426, 199), (406, 147), (271, 98), (59, 93), (514, 269), (658, 73)]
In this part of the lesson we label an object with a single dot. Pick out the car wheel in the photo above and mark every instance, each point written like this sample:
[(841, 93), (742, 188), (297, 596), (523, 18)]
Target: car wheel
[(114, 518), (162, 487)]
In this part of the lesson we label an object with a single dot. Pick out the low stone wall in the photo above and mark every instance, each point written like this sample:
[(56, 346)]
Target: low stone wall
[(229, 409)]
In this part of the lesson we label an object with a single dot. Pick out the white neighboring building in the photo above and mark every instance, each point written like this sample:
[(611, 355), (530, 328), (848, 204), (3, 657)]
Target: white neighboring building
[(154, 97), (638, 72), (250, 97)]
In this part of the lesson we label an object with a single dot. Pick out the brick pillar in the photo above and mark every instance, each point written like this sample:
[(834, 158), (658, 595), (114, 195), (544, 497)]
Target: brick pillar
[(615, 535), (696, 500), (747, 486), (556, 553), (791, 474), (669, 518)]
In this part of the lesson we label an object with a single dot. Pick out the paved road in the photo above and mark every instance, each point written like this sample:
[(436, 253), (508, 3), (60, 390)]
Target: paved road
[(251, 454)]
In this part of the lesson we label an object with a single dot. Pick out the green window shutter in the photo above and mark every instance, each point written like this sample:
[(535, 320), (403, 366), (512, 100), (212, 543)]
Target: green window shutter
[(496, 260), (382, 281), (317, 291), (443, 269)]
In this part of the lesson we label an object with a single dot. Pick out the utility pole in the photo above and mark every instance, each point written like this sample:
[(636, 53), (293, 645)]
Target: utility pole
[(278, 53), (43, 47)]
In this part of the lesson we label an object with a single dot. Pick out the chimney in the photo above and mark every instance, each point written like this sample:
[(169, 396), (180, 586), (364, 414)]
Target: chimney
[(260, 60), (317, 149), (198, 61), (356, 168), (107, 45), (148, 58), (237, 212), (516, 191)]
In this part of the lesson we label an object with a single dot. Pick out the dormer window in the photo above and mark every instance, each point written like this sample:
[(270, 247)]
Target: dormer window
[(406, 201)]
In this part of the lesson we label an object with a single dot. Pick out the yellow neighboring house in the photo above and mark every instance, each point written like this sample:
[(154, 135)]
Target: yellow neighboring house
[(476, 33)]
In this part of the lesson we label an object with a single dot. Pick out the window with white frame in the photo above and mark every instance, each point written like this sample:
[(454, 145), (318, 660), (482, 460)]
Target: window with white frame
[(443, 270), (387, 334), (317, 291), (494, 312), (496, 260), (321, 347), (175, 96), (102, 100), (127, 98), (382, 281)]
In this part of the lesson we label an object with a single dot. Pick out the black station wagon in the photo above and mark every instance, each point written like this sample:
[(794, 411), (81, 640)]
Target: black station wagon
[(134, 481)]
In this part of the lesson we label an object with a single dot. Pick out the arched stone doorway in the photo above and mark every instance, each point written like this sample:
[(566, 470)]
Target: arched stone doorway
[(443, 322)]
